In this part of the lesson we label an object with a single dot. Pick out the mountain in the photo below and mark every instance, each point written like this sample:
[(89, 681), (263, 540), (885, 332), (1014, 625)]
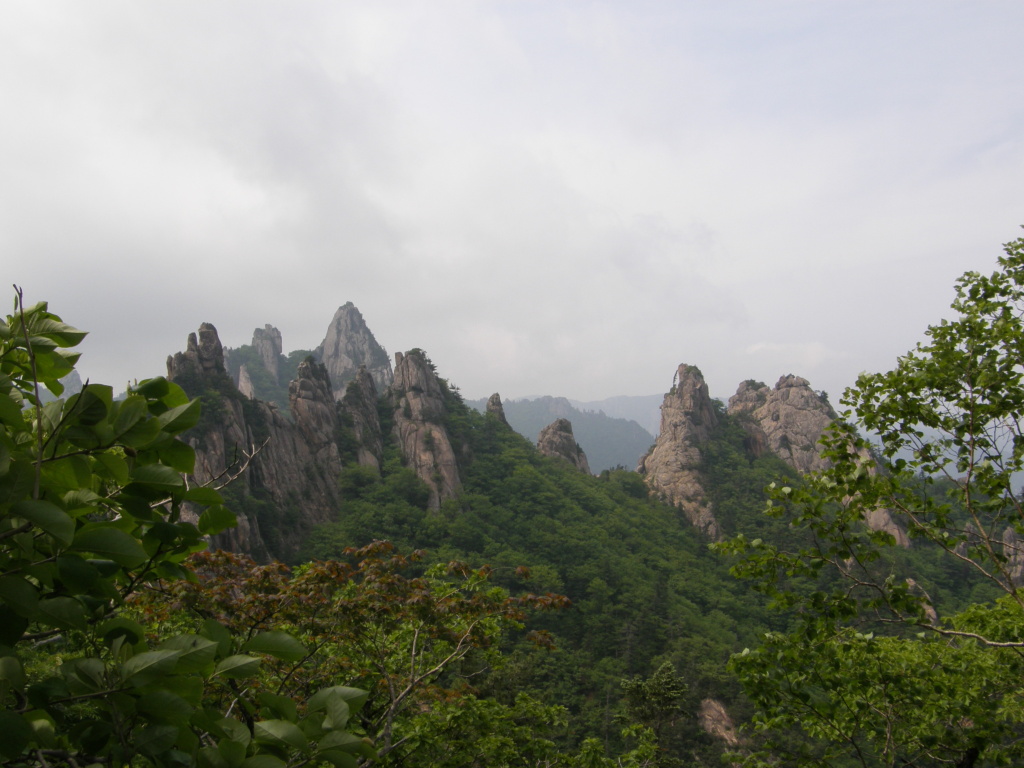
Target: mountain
[(645, 410), (411, 462), (607, 441), (260, 370)]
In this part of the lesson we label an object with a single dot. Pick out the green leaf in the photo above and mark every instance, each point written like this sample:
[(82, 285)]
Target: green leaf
[(109, 542), (163, 706), (197, 653), (158, 476), (144, 668), (10, 412), (276, 643), (61, 612), (19, 595), (216, 519), (11, 672), (15, 734), (114, 466), (120, 626), (263, 761), (218, 633), (237, 666), (354, 697), (180, 418), (90, 406), (203, 495), (154, 740), (130, 412), (280, 733), (282, 707), (77, 575), (44, 730), (48, 517), (232, 752), (179, 456)]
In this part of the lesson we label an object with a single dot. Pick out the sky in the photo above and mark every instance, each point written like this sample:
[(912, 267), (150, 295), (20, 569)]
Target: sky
[(548, 197)]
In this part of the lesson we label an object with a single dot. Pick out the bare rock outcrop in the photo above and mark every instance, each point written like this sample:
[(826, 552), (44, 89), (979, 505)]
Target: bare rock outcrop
[(245, 385), (1013, 551), (672, 466), (792, 418), (288, 470), (557, 440), (715, 720), (419, 425), (496, 409), (359, 414), (203, 355), (349, 345), (267, 343)]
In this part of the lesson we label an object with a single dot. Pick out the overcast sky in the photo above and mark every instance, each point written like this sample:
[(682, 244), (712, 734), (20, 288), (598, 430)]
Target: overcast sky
[(565, 198)]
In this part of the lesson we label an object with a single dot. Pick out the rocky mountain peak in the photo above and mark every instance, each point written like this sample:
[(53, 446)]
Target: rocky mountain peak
[(496, 409), (350, 344), (557, 440), (419, 403), (203, 355), (672, 466), (268, 344), (792, 418)]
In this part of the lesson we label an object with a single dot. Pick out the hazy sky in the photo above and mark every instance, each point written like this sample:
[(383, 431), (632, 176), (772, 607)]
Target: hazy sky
[(566, 198)]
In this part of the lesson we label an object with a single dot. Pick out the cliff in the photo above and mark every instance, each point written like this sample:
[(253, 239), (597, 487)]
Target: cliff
[(285, 473), (556, 440), (672, 466), (789, 420), (359, 415), (419, 413)]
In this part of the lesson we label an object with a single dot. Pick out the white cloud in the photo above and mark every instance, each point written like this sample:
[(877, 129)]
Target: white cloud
[(547, 197)]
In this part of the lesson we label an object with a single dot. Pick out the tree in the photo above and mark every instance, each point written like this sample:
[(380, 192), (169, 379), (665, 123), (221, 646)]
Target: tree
[(413, 640), (91, 495), (879, 667)]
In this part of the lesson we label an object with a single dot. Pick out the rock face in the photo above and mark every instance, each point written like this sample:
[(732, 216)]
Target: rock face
[(245, 385), (556, 440), (419, 425), (349, 345), (715, 721), (267, 343), (496, 409), (1013, 551), (295, 473), (359, 413), (203, 355), (789, 420), (672, 467)]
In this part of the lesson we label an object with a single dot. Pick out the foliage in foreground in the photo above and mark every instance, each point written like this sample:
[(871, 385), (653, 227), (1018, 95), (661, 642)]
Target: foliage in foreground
[(91, 494), (875, 672)]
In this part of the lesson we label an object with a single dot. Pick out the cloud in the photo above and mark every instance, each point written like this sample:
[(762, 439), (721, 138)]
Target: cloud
[(564, 198)]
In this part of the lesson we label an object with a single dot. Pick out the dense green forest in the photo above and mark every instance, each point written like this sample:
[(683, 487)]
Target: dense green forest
[(645, 589)]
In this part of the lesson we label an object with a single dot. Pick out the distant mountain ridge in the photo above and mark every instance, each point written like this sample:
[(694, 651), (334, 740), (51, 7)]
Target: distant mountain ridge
[(645, 410)]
